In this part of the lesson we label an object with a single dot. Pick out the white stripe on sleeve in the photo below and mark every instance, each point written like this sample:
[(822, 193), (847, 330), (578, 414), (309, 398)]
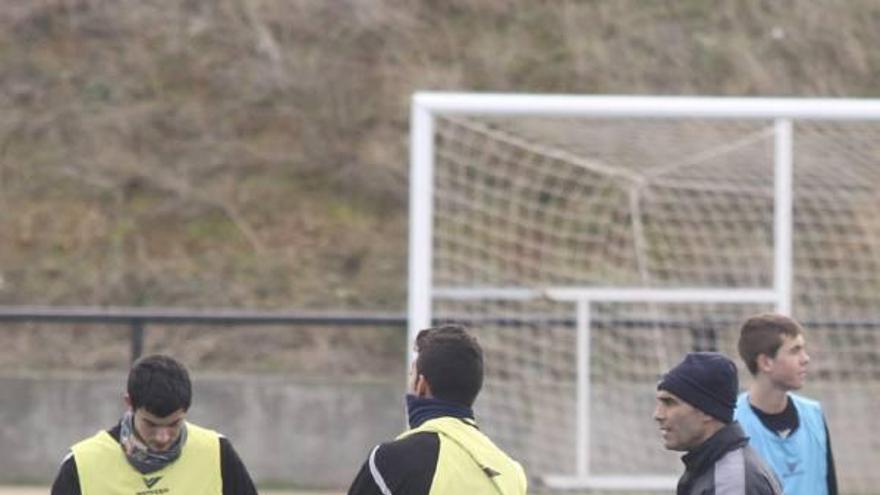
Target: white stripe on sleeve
[(377, 476)]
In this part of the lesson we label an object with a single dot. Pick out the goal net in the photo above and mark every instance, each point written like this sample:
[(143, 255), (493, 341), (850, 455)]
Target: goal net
[(591, 242)]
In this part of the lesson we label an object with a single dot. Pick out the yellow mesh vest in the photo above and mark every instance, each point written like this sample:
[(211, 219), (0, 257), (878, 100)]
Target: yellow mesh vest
[(103, 469), (469, 463)]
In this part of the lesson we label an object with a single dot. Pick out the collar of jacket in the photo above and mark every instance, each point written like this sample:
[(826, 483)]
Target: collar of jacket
[(420, 409), (729, 438)]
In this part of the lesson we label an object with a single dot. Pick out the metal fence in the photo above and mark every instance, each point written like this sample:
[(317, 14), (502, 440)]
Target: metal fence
[(137, 319)]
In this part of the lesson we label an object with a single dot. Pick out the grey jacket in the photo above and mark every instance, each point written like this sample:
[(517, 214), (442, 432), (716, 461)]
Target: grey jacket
[(726, 465)]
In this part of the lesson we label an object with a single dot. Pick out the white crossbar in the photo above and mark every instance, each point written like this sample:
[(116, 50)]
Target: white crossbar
[(647, 106)]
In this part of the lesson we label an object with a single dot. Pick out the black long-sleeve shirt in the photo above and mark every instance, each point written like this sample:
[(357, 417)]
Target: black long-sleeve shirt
[(404, 467), (236, 479)]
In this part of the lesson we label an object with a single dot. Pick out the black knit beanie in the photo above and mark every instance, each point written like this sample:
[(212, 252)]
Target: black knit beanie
[(707, 381)]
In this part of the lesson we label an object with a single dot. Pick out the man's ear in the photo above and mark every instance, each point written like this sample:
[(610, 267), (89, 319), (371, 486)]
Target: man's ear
[(127, 400), (707, 418), (764, 362), (422, 388)]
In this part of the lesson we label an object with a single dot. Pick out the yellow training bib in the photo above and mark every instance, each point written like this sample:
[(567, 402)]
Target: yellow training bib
[(104, 470), (469, 463)]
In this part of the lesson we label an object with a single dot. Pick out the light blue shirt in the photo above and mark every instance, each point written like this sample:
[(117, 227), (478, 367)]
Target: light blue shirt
[(800, 460)]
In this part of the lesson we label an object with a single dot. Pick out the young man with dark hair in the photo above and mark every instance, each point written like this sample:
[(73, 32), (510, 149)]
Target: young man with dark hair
[(444, 452), (154, 450), (788, 430), (694, 412)]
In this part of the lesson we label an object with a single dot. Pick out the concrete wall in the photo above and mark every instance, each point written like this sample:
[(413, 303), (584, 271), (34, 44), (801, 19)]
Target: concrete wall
[(309, 433)]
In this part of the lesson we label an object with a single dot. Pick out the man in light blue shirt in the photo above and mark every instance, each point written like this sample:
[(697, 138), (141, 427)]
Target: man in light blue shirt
[(788, 430)]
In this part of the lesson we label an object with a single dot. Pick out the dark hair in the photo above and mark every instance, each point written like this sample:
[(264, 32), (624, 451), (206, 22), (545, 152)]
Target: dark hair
[(451, 360), (160, 385), (762, 334)]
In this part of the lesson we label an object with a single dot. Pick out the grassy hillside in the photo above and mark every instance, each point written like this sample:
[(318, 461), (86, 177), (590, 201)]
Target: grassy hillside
[(252, 153)]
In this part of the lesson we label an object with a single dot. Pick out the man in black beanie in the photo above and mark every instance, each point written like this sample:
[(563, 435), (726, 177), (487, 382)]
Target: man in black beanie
[(694, 411)]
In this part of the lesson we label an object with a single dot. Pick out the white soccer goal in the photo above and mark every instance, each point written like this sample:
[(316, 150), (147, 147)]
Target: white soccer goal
[(591, 241)]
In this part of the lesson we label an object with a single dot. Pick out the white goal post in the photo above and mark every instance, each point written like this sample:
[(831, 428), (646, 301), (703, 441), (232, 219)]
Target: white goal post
[(564, 211)]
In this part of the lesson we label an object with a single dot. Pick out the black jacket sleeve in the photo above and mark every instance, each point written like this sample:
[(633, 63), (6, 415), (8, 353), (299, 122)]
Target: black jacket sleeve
[(67, 480), (403, 467), (363, 483), (236, 479)]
